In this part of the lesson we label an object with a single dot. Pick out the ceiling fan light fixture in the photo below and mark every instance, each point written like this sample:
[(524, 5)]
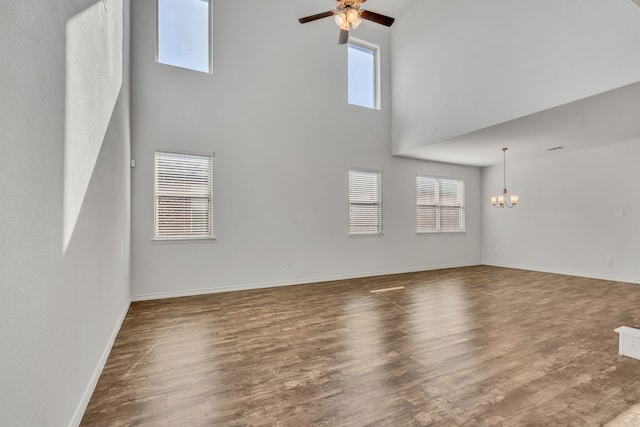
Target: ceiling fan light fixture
[(349, 16)]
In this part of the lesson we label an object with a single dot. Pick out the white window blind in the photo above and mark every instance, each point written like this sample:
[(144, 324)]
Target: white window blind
[(183, 195), (440, 204), (365, 202)]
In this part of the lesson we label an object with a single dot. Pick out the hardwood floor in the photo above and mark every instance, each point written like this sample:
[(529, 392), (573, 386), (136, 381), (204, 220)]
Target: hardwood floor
[(478, 346)]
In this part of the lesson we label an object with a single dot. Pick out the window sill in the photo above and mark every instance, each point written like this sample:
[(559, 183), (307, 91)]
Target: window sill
[(422, 233), (161, 240), (364, 107), (356, 235)]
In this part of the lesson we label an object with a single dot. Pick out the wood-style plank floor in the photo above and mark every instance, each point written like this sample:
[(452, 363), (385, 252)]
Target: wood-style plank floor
[(478, 346)]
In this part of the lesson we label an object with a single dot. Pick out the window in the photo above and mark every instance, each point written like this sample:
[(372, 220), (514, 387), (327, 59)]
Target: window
[(365, 202), (183, 196), (183, 33), (440, 204), (363, 74)]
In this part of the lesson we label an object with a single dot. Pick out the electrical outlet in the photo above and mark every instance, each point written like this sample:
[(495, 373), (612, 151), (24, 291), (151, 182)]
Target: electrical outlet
[(609, 261), (618, 212), (290, 266)]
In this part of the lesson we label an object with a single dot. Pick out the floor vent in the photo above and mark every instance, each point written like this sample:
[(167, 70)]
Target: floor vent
[(379, 291)]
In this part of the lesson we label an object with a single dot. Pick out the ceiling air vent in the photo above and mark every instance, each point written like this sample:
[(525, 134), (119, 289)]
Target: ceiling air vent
[(559, 147)]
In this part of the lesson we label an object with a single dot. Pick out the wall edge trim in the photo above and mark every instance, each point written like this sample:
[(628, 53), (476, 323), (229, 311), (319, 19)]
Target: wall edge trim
[(88, 392), (609, 278), (303, 281)]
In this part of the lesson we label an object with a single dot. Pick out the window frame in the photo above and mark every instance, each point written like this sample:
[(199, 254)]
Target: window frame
[(363, 44), (438, 205), (209, 40), (184, 238), (380, 221)]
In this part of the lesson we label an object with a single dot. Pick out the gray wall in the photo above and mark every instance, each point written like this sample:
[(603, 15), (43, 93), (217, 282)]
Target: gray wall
[(275, 113), (565, 220), (64, 273)]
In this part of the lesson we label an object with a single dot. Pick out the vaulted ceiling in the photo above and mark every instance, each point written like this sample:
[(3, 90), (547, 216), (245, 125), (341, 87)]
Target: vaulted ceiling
[(469, 78), (472, 77)]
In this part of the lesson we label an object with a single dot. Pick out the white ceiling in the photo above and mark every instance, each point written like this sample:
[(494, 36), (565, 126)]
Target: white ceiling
[(607, 118), (529, 76), (392, 8)]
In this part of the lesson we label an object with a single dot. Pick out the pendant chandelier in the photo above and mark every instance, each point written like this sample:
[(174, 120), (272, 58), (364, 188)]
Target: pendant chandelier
[(504, 201)]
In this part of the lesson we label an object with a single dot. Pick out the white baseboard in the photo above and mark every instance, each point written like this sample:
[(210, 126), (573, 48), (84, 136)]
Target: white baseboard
[(249, 286), (82, 406), (610, 278)]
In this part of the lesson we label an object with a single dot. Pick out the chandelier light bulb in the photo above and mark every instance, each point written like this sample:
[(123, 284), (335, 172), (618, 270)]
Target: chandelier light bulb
[(341, 19)]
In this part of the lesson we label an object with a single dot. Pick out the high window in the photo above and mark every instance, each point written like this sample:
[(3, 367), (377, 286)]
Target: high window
[(183, 196), (440, 204), (183, 38), (365, 202), (363, 73)]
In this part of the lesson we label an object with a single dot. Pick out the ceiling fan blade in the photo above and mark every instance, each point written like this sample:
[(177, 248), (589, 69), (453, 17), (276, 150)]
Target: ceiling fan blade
[(344, 37), (316, 17), (377, 18)]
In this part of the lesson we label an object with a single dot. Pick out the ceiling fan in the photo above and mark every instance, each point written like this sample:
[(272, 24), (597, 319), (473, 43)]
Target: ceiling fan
[(348, 16)]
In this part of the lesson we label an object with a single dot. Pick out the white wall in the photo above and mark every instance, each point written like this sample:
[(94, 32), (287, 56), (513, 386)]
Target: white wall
[(274, 111), (565, 221), (463, 65), (62, 296)]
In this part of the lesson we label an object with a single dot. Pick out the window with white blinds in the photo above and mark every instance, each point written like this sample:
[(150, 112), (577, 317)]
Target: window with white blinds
[(183, 196), (440, 204), (365, 202)]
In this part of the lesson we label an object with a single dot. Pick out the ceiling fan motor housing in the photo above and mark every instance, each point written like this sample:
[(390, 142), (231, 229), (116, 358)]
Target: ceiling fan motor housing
[(349, 4)]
